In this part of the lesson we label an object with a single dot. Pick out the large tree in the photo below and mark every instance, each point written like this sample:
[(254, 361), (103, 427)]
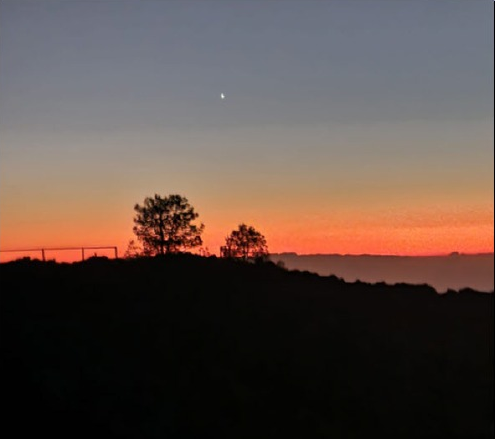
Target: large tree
[(246, 243), (165, 225)]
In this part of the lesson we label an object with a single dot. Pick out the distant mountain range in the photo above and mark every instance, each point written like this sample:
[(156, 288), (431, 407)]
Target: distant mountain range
[(454, 271)]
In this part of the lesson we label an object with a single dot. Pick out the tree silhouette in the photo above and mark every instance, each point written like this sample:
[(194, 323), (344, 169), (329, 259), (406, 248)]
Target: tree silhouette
[(246, 243), (164, 225), (135, 250)]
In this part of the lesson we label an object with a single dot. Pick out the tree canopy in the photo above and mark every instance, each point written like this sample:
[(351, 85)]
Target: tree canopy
[(246, 243), (165, 225)]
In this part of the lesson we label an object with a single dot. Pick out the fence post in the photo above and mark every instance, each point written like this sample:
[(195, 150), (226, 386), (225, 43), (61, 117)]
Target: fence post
[(43, 254), (82, 253), (116, 254)]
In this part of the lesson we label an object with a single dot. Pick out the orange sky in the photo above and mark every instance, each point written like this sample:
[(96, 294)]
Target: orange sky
[(392, 212), (373, 231)]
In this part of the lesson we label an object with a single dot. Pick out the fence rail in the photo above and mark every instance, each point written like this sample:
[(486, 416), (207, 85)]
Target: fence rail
[(44, 249)]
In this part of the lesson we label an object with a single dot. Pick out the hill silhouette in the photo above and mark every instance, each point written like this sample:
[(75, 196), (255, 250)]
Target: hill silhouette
[(184, 346)]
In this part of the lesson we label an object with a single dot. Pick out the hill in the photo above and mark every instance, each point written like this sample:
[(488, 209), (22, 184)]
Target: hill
[(191, 347)]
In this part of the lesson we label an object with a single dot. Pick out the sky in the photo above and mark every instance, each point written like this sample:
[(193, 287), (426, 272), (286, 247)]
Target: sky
[(347, 127)]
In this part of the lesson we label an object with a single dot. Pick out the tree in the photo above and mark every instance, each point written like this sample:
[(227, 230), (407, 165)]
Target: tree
[(246, 243), (134, 250), (164, 225)]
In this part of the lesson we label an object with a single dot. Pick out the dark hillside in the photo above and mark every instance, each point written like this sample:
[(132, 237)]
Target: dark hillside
[(191, 347)]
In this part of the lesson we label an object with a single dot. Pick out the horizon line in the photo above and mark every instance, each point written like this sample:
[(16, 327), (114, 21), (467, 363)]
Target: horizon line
[(286, 253)]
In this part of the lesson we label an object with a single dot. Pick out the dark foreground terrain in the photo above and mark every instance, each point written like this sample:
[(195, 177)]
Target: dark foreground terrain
[(190, 347)]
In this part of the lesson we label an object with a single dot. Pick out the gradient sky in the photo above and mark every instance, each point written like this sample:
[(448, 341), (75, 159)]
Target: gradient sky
[(348, 126)]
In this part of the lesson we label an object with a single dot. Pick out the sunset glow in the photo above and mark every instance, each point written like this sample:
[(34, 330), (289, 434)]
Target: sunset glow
[(371, 138)]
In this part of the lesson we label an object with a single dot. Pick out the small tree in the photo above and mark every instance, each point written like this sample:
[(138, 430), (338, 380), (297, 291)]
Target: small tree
[(164, 225), (134, 250), (246, 243)]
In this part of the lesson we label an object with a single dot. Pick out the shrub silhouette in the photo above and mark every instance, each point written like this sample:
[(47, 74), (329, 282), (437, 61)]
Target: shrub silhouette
[(165, 225)]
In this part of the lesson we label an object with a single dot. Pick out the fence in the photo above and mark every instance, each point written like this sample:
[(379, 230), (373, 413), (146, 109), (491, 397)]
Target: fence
[(45, 249)]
